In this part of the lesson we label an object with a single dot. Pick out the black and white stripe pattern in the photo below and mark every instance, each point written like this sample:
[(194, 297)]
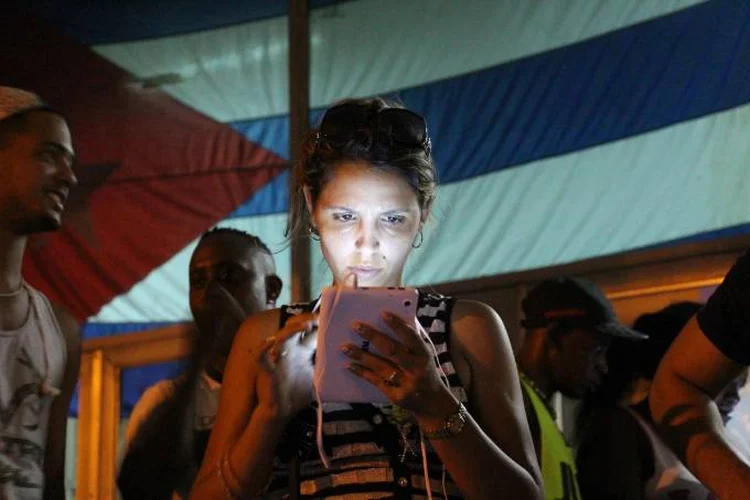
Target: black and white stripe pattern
[(366, 449)]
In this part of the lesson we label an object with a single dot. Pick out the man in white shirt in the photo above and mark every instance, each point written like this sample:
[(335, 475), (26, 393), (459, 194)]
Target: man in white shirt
[(232, 276)]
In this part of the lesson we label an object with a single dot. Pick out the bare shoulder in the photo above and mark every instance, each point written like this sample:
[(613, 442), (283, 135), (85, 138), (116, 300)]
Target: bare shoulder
[(474, 319), (478, 334)]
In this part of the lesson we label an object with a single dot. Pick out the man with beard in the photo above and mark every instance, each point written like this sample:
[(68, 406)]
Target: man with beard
[(232, 276), (39, 343), (569, 324)]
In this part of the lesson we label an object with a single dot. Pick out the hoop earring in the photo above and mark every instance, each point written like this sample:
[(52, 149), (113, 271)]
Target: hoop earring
[(421, 240), (313, 232)]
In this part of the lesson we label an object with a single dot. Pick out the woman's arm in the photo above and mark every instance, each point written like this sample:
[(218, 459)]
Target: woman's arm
[(255, 405), (494, 452)]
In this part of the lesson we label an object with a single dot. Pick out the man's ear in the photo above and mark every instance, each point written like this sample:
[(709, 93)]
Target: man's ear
[(273, 287)]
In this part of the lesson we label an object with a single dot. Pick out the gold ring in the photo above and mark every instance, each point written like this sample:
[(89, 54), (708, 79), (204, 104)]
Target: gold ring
[(391, 380)]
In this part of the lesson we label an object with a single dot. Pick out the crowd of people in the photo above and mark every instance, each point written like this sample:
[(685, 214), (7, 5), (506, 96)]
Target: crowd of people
[(466, 416)]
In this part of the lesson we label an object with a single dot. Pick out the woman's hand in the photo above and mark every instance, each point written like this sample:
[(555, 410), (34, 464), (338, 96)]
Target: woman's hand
[(404, 370), (284, 384)]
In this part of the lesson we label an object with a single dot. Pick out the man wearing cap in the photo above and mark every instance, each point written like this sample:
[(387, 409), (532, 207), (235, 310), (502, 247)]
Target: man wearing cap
[(710, 352), (39, 343), (569, 324)]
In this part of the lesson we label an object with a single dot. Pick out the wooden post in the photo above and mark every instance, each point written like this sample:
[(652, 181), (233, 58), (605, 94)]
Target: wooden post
[(299, 113), (99, 422)]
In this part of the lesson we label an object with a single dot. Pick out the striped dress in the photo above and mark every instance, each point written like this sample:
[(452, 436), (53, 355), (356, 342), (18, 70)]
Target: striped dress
[(374, 449)]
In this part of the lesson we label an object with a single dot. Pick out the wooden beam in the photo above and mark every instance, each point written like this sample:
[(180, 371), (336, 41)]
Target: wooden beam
[(299, 112), (694, 261), (99, 424), (145, 348)]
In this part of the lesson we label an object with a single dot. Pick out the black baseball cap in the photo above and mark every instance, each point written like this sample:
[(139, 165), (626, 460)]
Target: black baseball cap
[(573, 302)]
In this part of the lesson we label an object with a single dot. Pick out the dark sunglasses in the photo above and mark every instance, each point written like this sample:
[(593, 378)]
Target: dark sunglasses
[(399, 127)]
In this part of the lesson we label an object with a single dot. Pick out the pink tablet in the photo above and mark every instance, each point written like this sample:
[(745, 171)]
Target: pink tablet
[(340, 308)]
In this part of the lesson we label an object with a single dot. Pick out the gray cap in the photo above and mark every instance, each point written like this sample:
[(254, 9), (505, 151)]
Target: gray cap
[(14, 101)]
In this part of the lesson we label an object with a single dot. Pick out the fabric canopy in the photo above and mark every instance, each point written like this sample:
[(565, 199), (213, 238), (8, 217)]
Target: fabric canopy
[(562, 130)]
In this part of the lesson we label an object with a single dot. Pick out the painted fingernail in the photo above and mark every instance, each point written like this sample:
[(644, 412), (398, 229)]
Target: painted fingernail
[(387, 315), (359, 328), (347, 348), (353, 368)]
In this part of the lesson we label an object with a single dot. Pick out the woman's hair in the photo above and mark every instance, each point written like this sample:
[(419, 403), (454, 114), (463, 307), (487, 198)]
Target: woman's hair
[(362, 142)]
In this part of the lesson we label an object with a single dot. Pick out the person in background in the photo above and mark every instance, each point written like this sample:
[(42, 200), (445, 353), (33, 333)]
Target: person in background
[(232, 276), (569, 325), (364, 188), (710, 353), (39, 341), (620, 455)]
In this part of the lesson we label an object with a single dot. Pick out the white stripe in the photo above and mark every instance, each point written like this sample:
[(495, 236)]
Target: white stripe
[(334, 407), (361, 476), (668, 184), (441, 348), (671, 183), (368, 47), (437, 326), (429, 310), (448, 368), (356, 449), (314, 467), (345, 427), (460, 394)]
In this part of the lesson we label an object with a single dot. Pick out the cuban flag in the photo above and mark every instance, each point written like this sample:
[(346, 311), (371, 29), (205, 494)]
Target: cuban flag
[(562, 131)]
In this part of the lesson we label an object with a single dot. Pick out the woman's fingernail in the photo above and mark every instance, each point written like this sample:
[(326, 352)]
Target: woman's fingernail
[(347, 348), (359, 328), (353, 368), (387, 315)]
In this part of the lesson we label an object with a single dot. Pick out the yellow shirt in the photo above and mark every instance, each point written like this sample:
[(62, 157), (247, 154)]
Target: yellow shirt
[(558, 465)]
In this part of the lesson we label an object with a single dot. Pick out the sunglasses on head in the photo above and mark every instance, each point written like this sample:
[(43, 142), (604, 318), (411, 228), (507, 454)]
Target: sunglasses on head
[(397, 126)]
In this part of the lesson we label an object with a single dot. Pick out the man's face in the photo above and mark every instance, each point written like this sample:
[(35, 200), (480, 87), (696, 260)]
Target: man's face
[(226, 261), (578, 361), (36, 165)]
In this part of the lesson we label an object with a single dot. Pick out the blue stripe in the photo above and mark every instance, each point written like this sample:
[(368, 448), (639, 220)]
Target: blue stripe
[(134, 381), (93, 23), (718, 234), (273, 134), (652, 75), (96, 330), (633, 81)]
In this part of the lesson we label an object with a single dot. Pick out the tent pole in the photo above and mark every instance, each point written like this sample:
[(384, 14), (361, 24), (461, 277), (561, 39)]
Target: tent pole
[(299, 111)]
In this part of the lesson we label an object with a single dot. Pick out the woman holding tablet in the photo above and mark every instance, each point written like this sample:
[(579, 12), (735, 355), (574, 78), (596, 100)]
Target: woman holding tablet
[(454, 427)]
